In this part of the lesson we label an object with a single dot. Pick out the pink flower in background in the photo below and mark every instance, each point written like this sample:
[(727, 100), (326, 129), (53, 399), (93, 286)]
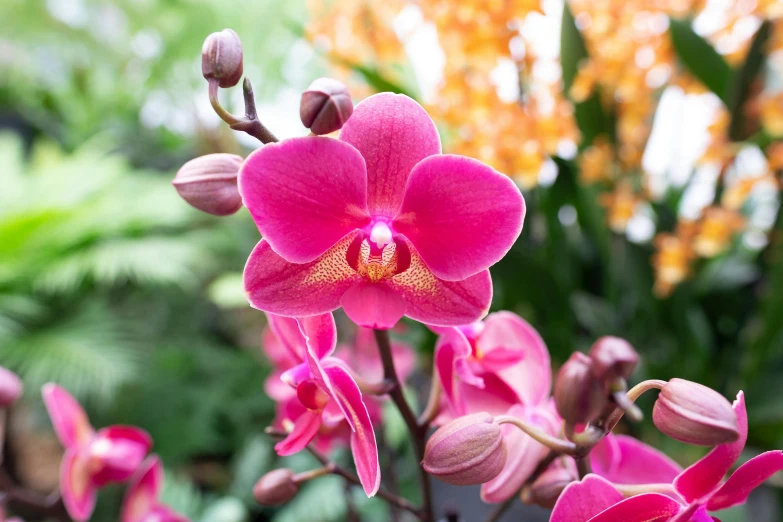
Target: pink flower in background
[(378, 222), (141, 502), (697, 490), (621, 459), (500, 366), (326, 394), (362, 356), (92, 459)]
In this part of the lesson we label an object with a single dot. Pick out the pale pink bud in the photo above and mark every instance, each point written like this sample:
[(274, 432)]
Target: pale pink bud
[(695, 414), (579, 395), (547, 488), (613, 358), (276, 487), (10, 387), (221, 58), (209, 183), (325, 107), (468, 450)]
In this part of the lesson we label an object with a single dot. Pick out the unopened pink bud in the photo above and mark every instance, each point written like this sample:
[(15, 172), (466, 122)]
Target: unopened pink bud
[(613, 358), (547, 488), (695, 414), (468, 450), (579, 395), (221, 58), (209, 183), (325, 107), (10, 388), (276, 487)]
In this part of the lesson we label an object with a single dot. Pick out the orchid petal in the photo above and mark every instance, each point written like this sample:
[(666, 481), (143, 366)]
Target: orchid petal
[(290, 343), (120, 451), (460, 214), (625, 460), (373, 305), (305, 428), (649, 507), (442, 303), (319, 333), (745, 479), (702, 477), (305, 194), (393, 133), (496, 396), (78, 492), (142, 494), (69, 420), (298, 290), (580, 501), (523, 456), (532, 379), (295, 375)]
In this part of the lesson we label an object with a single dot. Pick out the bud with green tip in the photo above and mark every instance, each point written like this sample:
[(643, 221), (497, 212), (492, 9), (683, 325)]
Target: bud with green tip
[(325, 107), (221, 58), (468, 450), (695, 414), (579, 395), (209, 183), (613, 358), (276, 487)]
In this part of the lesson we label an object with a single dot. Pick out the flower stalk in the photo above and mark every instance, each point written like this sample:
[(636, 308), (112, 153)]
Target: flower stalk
[(249, 123)]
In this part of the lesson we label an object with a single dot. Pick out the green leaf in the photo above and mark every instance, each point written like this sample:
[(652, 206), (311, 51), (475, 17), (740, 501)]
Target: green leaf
[(744, 79), (701, 59), (589, 114), (321, 500), (228, 291), (594, 313)]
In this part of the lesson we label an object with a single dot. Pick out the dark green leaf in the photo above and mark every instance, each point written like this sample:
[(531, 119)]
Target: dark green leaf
[(701, 59), (744, 80)]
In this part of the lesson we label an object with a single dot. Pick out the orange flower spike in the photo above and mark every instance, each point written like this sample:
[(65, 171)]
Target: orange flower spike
[(621, 206), (671, 262), (595, 161), (716, 230)]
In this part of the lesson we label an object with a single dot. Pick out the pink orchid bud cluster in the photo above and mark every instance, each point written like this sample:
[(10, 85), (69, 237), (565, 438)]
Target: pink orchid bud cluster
[(94, 459)]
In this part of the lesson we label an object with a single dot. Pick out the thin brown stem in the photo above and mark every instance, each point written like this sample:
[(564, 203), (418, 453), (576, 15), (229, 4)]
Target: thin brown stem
[(501, 508), (632, 395), (250, 123), (26, 501), (554, 443), (583, 466), (418, 433)]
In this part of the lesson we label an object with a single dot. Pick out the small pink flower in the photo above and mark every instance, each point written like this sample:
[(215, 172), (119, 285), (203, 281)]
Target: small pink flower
[(92, 459), (699, 489), (141, 503), (325, 392), (378, 222), (500, 366)]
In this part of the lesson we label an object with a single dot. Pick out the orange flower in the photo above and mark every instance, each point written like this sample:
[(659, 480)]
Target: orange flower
[(621, 206), (595, 162), (772, 114), (671, 261), (716, 230)]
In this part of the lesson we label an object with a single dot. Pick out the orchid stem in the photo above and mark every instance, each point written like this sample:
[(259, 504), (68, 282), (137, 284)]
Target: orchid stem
[(250, 122), (30, 502), (632, 395), (583, 466), (554, 443), (630, 490), (433, 402), (418, 433)]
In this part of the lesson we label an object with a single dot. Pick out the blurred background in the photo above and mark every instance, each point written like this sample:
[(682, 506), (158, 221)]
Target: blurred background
[(646, 135)]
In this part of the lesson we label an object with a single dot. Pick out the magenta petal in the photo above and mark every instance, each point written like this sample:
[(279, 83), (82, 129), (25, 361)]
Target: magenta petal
[(120, 451), (442, 303), (460, 214), (702, 477), (745, 479), (393, 133), (506, 331), (523, 456), (77, 490), (298, 290), (305, 428), (288, 347), (374, 305), (320, 333), (141, 496), (305, 194), (495, 398), (625, 460), (68, 418), (649, 507), (363, 446), (580, 501)]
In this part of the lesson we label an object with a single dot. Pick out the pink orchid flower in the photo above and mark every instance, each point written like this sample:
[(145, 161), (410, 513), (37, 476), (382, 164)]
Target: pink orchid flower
[(141, 503), (621, 459), (378, 222), (327, 393), (500, 366), (699, 489), (92, 459), (362, 356)]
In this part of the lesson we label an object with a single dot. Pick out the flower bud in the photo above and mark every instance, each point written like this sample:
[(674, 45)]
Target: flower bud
[(221, 58), (276, 487), (10, 388), (325, 107), (547, 488), (468, 450), (209, 183), (579, 395), (613, 358), (692, 413)]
